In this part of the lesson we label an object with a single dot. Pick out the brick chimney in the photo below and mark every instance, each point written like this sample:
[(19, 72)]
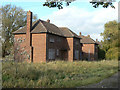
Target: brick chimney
[(88, 36), (29, 27), (96, 40), (48, 21), (80, 34), (29, 37)]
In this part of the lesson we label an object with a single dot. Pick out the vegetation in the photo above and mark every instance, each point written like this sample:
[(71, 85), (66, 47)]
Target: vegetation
[(56, 74), (101, 54), (13, 18), (59, 4), (110, 40)]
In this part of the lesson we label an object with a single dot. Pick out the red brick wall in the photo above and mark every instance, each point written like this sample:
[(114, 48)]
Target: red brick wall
[(39, 47), (85, 50), (19, 47), (70, 49)]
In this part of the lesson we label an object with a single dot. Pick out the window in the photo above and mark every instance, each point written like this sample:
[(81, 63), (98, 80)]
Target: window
[(57, 52), (59, 39), (95, 46), (51, 53), (76, 42), (77, 54), (81, 55), (52, 39)]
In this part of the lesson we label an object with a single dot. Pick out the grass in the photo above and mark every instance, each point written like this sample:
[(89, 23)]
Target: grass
[(56, 74)]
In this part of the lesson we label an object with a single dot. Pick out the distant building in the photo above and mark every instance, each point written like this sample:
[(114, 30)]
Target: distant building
[(89, 48)]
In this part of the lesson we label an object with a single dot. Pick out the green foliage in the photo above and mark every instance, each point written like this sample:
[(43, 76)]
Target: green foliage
[(13, 18), (101, 53), (104, 4), (110, 43), (59, 4), (112, 53), (56, 74)]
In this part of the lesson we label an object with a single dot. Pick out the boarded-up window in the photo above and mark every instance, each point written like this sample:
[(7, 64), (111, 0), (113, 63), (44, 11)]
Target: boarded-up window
[(77, 54), (51, 53), (77, 43), (52, 39), (58, 39), (80, 55), (57, 52)]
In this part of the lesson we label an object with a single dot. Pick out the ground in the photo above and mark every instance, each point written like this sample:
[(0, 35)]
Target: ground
[(111, 82)]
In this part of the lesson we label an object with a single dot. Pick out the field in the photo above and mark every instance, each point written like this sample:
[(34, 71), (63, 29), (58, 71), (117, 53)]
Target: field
[(56, 74)]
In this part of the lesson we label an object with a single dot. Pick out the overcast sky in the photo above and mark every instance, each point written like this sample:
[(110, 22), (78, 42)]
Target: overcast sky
[(80, 16)]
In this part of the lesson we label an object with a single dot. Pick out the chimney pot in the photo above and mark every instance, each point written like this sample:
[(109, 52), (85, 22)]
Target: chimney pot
[(88, 35), (96, 39), (48, 21), (80, 34)]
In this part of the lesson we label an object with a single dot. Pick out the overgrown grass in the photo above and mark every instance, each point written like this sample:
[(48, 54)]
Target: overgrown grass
[(56, 74)]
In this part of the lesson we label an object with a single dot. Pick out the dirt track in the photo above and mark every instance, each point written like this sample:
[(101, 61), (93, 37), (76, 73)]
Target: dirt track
[(111, 82)]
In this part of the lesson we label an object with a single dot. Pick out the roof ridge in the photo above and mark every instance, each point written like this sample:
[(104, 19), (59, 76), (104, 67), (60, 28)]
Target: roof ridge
[(43, 25), (34, 24), (19, 29), (91, 39), (71, 32), (60, 31), (62, 27)]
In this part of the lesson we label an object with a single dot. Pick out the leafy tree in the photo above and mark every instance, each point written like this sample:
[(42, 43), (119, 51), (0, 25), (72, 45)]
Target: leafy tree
[(59, 4), (110, 43), (101, 54), (13, 18)]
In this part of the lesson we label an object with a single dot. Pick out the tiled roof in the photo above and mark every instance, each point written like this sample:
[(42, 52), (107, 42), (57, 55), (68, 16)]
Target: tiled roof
[(41, 26), (86, 40), (67, 32), (99, 43)]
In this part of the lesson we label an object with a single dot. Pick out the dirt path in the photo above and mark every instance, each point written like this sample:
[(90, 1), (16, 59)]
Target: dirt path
[(111, 82)]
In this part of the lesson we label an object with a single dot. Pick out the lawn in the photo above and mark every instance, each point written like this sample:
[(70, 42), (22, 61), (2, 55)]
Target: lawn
[(56, 74)]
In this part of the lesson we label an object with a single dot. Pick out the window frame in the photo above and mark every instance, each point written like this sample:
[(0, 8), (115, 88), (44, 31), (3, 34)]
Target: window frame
[(51, 40), (51, 55)]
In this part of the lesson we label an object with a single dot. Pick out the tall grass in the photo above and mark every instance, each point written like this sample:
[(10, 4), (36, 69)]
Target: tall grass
[(56, 74)]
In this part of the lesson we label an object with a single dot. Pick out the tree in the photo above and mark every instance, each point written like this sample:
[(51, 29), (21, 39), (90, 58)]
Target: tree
[(101, 53), (59, 4), (110, 43), (13, 18)]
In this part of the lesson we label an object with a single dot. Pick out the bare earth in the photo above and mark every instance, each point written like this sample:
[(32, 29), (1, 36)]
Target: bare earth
[(111, 82)]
